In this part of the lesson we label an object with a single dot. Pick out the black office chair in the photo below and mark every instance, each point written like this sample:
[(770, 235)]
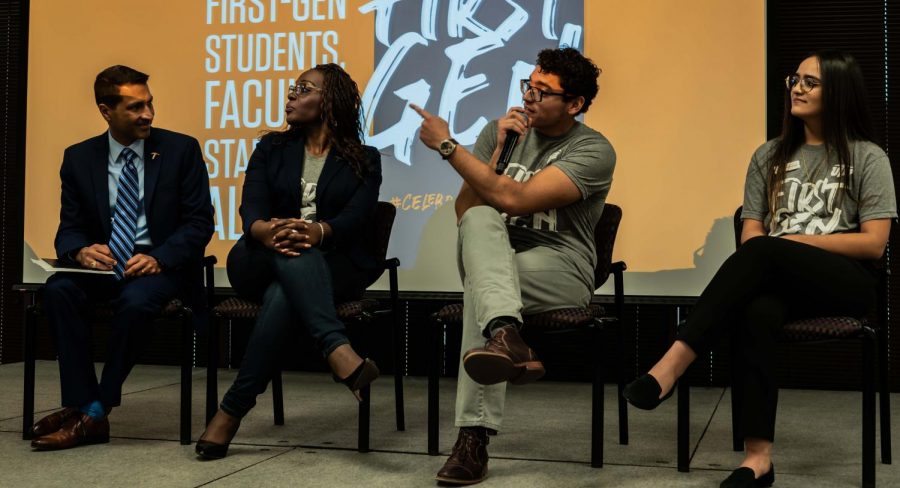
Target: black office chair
[(818, 330), (176, 309), (361, 311), (592, 318)]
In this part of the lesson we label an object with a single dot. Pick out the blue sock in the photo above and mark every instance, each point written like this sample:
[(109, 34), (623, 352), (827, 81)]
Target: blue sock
[(94, 409)]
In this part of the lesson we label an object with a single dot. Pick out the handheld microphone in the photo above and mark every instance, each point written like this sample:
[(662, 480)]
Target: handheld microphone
[(512, 137)]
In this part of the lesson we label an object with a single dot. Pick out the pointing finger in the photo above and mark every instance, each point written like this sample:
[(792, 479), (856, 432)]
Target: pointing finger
[(419, 110)]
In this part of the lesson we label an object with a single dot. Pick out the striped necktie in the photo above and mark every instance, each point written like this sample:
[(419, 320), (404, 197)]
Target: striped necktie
[(128, 204)]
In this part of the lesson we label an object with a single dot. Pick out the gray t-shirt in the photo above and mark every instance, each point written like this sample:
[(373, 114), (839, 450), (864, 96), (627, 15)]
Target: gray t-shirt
[(312, 168), (809, 202), (588, 159)]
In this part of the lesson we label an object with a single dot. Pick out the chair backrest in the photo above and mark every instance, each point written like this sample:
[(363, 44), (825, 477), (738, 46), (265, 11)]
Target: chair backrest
[(380, 237), (738, 226), (604, 240)]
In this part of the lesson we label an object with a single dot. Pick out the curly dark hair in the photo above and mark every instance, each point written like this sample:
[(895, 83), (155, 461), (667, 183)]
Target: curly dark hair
[(341, 113), (577, 74)]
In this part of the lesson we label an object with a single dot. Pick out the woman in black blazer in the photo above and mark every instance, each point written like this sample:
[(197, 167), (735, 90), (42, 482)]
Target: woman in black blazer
[(307, 205)]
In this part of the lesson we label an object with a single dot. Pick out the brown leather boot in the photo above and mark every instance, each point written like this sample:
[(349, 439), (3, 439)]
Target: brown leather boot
[(468, 461), (78, 430), (504, 357), (51, 423)]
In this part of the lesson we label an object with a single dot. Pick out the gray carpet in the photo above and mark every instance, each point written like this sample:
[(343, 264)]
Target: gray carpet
[(546, 440)]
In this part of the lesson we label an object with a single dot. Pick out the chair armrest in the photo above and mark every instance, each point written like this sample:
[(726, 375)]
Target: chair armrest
[(209, 263), (391, 263)]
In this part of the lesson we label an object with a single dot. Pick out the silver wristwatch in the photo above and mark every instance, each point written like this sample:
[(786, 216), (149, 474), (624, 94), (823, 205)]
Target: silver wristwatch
[(447, 147)]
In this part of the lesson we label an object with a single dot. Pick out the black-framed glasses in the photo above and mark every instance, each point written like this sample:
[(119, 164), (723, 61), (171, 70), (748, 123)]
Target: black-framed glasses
[(807, 83), (537, 94), (301, 90)]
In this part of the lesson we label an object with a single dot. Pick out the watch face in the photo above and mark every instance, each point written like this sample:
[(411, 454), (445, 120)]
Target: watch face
[(447, 147)]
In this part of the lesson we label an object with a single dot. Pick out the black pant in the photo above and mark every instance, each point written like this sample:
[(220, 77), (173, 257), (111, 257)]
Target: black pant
[(302, 292), (765, 283), (136, 303)]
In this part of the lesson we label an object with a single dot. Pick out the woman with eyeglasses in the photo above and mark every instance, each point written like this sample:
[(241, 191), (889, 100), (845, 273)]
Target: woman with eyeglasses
[(308, 200), (818, 204)]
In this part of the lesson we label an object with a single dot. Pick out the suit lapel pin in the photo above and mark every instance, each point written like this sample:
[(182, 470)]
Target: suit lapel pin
[(153, 155)]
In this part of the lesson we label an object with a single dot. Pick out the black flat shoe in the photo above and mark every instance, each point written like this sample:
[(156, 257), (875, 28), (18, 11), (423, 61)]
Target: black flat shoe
[(745, 478), (361, 377), (644, 393)]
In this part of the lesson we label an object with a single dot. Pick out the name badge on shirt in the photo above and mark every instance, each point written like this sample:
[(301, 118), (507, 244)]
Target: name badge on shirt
[(792, 166)]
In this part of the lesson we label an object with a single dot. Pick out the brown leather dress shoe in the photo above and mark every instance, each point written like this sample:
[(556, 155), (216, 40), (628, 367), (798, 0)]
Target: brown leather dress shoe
[(467, 464), (51, 423), (504, 357), (77, 430)]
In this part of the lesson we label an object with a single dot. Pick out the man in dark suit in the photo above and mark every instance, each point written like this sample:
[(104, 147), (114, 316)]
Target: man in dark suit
[(135, 201)]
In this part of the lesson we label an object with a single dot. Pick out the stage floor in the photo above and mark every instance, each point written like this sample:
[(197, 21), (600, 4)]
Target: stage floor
[(545, 441)]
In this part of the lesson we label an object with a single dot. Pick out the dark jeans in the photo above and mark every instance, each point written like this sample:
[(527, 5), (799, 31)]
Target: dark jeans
[(764, 284), (135, 301), (302, 293)]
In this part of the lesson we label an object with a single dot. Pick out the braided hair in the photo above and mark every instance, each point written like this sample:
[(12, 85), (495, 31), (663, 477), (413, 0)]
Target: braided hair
[(341, 105)]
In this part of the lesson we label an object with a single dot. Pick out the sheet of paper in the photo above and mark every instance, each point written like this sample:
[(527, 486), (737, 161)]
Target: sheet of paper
[(54, 266)]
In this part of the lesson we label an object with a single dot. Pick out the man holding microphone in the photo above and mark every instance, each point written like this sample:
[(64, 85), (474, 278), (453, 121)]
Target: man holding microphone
[(526, 229)]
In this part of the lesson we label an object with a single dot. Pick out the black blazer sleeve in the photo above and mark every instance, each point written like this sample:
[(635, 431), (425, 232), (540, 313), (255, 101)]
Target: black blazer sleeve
[(256, 198), (343, 200), (195, 225), (73, 231), (355, 217)]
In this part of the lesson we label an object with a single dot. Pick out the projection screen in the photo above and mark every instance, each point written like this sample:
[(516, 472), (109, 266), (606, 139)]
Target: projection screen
[(682, 99)]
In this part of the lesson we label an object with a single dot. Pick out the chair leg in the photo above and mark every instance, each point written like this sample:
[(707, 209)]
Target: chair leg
[(684, 419), (618, 270), (597, 402), (278, 398), (29, 354), (364, 412), (399, 349), (737, 401), (620, 373), (868, 406), (434, 366), (212, 367), (187, 360), (884, 396)]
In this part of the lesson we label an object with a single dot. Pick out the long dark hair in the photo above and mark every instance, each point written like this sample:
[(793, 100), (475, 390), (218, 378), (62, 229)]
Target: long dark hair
[(845, 118), (341, 113)]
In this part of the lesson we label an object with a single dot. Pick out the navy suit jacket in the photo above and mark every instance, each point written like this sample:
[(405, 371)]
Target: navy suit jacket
[(176, 198), (343, 200)]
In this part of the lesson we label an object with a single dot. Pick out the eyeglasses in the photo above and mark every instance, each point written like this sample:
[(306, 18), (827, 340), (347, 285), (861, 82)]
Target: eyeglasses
[(536, 94), (302, 90), (806, 83)]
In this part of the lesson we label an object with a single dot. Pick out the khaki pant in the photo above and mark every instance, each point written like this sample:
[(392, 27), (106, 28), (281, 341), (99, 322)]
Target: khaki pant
[(498, 281)]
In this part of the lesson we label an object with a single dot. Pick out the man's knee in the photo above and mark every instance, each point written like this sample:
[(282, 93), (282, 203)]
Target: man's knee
[(480, 218), (138, 301), (60, 287)]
